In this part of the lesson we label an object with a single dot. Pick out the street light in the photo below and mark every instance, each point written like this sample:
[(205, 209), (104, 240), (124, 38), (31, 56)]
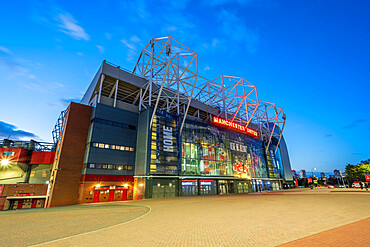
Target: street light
[(314, 169), (5, 162)]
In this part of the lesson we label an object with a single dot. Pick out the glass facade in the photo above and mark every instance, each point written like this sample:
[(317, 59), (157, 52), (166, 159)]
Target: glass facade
[(211, 151), (207, 160)]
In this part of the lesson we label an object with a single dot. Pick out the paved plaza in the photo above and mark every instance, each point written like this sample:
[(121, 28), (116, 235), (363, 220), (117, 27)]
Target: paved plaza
[(291, 218)]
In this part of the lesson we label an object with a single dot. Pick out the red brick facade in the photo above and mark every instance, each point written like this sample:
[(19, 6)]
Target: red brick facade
[(67, 169)]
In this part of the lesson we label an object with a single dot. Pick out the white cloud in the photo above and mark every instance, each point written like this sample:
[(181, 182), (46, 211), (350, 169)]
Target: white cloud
[(5, 50), (131, 53), (44, 87), (135, 39), (100, 48), (79, 54), (70, 27), (108, 35), (128, 44), (215, 42), (10, 64), (171, 29), (206, 68), (235, 29)]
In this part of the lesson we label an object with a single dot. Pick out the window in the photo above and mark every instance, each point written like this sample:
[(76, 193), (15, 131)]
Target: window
[(111, 123), (8, 153), (113, 147), (109, 166)]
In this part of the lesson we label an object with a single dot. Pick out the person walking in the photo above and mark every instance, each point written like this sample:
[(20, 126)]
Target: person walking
[(361, 185)]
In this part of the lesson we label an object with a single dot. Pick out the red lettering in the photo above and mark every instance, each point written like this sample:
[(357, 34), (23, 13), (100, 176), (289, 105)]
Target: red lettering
[(236, 126)]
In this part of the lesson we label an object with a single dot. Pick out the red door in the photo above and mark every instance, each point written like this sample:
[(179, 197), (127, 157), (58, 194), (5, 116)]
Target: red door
[(111, 196), (124, 195), (20, 204), (96, 195), (34, 203)]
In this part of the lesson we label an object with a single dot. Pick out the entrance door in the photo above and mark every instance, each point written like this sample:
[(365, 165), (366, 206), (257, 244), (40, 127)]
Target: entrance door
[(20, 204), (124, 195), (40, 203), (111, 196), (96, 195), (34, 203), (223, 189), (230, 187)]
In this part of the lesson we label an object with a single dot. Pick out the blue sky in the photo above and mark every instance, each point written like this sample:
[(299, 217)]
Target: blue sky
[(309, 57)]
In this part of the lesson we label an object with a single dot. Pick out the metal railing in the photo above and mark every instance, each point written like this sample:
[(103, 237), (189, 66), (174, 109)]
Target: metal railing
[(31, 145)]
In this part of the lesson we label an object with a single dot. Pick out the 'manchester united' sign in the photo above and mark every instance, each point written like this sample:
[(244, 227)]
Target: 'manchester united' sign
[(235, 126)]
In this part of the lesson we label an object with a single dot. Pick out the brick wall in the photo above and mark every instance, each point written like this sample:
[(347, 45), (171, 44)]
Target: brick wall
[(68, 166), (11, 189)]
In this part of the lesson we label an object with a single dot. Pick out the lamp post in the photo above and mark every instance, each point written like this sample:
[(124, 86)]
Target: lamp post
[(314, 169)]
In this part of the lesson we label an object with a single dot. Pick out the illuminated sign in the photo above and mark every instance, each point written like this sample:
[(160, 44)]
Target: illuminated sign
[(23, 194), (235, 126), (167, 139), (207, 182), (187, 183)]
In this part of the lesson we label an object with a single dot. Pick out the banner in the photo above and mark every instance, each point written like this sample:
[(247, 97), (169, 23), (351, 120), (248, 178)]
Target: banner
[(165, 144)]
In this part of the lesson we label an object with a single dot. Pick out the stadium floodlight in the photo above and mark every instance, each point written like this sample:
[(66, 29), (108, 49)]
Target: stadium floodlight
[(5, 162), (270, 120), (171, 69), (236, 97)]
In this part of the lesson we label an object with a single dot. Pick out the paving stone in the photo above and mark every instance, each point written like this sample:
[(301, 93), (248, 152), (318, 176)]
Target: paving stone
[(266, 219)]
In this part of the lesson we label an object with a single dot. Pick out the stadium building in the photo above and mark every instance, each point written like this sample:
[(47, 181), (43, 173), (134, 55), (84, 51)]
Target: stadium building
[(162, 130)]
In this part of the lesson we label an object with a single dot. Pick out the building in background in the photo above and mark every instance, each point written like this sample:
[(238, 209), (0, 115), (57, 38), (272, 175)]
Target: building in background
[(302, 173), (25, 168), (295, 174), (336, 173)]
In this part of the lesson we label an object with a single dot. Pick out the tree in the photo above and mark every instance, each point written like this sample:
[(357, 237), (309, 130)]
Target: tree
[(357, 172)]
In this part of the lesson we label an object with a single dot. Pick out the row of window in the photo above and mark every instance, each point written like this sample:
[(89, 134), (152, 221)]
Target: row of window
[(110, 167), (110, 146), (111, 123)]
